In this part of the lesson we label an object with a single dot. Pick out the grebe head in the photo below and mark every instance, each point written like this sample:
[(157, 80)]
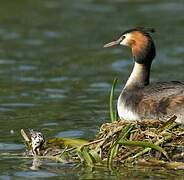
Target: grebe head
[(141, 43)]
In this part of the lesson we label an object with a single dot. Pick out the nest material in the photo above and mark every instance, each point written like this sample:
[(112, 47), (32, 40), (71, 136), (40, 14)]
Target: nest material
[(149, 142), (138, 140)]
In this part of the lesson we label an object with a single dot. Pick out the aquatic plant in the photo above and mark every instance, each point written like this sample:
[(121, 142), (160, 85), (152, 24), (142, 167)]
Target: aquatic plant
[(113, 113), (146, 142)]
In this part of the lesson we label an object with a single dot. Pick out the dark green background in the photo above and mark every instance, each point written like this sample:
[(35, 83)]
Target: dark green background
[(55, 74)]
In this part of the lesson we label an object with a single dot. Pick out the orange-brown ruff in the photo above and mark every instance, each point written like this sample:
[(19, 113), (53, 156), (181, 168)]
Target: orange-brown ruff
[(138, 42), (139, 99)]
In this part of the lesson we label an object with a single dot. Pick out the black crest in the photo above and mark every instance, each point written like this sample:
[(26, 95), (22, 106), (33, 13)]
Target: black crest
[(145, 30)]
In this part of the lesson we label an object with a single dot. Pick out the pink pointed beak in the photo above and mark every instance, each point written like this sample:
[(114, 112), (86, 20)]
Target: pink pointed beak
[(113, 43)]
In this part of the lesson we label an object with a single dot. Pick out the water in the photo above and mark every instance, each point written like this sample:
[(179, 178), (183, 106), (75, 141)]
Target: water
[(55, 75)]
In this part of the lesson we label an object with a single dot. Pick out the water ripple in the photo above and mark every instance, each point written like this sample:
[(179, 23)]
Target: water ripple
[(7, 61), (171, 7), (101, 86), (58, 79), (71, 133), (11, 146), (35, 174), (17, 105), (26, 68), (120, 64), (55, 93), (30, 79)]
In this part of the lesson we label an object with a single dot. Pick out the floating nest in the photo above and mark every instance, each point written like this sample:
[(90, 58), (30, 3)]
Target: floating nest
[(121, 143)]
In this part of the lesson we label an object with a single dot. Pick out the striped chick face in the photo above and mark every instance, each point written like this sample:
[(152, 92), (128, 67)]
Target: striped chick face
[(37, 140)]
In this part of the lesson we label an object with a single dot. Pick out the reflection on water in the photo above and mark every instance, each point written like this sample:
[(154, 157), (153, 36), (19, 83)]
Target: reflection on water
[(73, 134), (35, 174), (55, 74), (8, 147)]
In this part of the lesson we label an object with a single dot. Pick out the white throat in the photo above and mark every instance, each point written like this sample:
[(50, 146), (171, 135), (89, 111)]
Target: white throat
[(139, 76)]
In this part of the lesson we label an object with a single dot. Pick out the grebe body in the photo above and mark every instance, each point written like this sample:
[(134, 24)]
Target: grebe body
[(155, 101), (139, 99)]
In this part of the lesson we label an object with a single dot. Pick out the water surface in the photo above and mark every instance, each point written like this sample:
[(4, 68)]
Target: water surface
[(55, 75)]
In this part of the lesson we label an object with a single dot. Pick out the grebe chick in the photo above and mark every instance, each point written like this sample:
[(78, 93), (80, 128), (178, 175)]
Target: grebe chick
[(37, 141), (140, 100)]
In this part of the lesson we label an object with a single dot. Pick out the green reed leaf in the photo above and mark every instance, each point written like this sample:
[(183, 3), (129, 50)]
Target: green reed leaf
[(111, 109)]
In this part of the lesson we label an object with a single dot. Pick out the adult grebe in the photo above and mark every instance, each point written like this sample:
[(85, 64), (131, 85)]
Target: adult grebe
[(139, 99)]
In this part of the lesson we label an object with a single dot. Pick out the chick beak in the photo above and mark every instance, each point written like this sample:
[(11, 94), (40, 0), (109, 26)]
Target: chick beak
[(113, 43)]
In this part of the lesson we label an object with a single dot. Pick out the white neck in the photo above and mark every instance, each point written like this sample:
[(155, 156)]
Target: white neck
[(139, 76)]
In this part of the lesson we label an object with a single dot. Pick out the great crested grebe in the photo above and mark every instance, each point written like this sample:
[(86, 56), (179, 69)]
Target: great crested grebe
[(139, 99)]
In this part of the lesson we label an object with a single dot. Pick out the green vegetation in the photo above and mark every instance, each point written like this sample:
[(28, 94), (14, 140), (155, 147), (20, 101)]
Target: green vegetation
[(148, 142), (113, 113)]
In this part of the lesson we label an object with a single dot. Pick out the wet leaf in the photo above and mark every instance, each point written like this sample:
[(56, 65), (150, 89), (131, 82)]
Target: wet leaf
[(84, 154), (95, 156), (144, 145), (66, 141), (113, 112)]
